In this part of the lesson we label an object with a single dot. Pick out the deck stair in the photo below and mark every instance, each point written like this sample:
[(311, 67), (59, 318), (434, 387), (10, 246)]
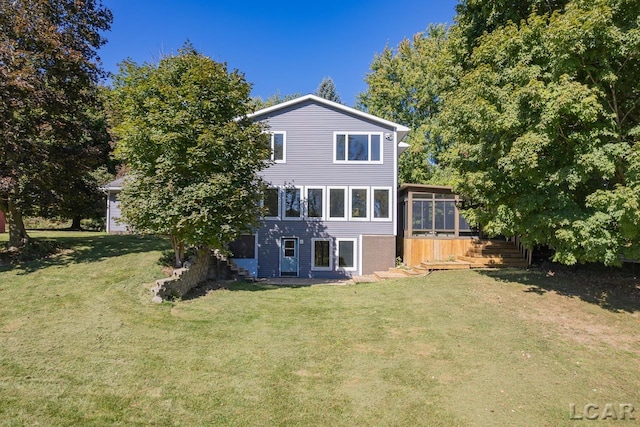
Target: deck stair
[(494, 253)]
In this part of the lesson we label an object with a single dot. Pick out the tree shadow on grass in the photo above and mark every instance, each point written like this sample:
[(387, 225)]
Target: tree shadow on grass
[(614, 289), (90, 248)]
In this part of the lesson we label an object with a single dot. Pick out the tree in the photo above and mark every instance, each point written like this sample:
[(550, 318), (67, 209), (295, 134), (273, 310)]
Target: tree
[(327, 90), (274, 99), (404, 86), (48, 89), (476, 17), (192, 152), (544, 126)]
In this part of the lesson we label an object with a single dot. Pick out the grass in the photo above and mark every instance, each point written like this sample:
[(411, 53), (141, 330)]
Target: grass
[(81, 344)]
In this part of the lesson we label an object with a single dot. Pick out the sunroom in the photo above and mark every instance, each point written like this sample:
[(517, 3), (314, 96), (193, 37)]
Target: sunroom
[(430, 226)]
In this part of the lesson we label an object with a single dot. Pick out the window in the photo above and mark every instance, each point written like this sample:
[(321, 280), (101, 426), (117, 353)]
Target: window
[(347, 254), (244, 246), (315, 202), (358, 147), (337, 202), (359, 201), (321, 254), (272, 202), (381, 204), (278, 147), (435, 214), (445, 213), (292, 203)]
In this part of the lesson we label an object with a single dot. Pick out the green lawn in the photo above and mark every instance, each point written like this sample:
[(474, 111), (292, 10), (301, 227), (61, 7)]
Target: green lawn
[(82, 344)]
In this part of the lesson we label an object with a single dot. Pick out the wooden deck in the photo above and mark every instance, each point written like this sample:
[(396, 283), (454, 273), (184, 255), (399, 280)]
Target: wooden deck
[(450, 254)]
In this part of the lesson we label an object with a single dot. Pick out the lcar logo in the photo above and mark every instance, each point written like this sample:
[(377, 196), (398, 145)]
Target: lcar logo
[(608, 411)]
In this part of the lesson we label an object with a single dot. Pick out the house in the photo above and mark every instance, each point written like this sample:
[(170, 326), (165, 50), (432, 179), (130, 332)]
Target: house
[(332, 193)]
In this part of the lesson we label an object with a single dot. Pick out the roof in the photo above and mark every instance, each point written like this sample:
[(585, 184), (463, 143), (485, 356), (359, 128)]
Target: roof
[(114, 185), (425, 188), (401, 129)]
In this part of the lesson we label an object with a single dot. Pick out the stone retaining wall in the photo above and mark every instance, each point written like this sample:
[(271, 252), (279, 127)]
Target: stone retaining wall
[(194, 272)]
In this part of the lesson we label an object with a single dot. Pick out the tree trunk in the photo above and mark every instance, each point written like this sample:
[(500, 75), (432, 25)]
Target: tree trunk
[(178, 250), (75, 225), (18, 236)]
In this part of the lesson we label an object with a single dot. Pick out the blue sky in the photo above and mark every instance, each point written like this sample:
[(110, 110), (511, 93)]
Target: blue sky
[(281, 46)]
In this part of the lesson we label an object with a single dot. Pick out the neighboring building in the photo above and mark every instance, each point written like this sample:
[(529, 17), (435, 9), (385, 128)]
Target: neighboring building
[(112, 189), (332, 194)]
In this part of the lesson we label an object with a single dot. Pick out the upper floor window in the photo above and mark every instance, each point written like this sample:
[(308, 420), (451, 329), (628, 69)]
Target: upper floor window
[(279, 147), (357, 147), (292, 207), (381, 204), (359, 204), (315, 202), (337, 203), (272, 202)]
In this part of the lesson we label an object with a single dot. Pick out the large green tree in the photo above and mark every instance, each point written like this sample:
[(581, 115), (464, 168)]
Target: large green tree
[(404, 86), (192, 152), (49, 74), (544, 125)]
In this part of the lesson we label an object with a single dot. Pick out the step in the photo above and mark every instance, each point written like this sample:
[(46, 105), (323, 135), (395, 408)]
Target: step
[(388, 275), (445, 265), (369, 278), (479, 262), (405, 271)]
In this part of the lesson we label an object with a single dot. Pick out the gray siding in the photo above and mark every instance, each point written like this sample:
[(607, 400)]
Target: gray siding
[(114, 213), (310, 129)]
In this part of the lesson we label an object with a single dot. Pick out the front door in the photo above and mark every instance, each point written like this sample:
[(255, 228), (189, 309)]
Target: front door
[(289, 256)]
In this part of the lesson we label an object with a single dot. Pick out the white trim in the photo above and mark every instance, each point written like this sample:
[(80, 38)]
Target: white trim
[(403, 130), (323, 214), (345, 205), (367, 201), (283, 213), (355, 255), (346, 148), (284, 146), (394, 194), (373, 209), (313, 253), (279, 203)]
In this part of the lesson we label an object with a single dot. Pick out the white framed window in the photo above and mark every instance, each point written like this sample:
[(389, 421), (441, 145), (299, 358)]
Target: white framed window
[(315, 202), (358, 203), (337, 205), (271, 202), (292, 203), (279, 147), (321, 255), (381, 204), (358, 147), (346, 254)]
